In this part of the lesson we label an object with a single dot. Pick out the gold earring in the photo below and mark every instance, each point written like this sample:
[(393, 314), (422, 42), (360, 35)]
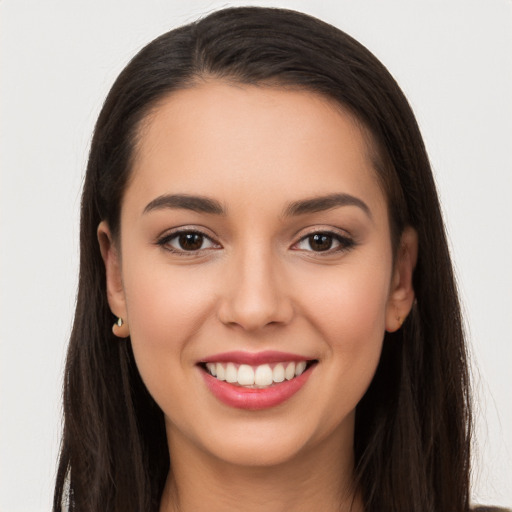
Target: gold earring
[(120, 328)]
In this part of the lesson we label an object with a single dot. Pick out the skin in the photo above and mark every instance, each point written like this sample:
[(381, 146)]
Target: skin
[(257, 285)]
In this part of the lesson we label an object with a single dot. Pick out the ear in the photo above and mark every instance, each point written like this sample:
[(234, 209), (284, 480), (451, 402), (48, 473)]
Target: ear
[(115, 290), (401, 294)]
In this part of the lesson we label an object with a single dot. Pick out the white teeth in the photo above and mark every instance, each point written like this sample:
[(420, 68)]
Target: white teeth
[(263, 375), (231, 373), (256, 376), (245, 375), (299, 368), (221, 373), (278, 373), (212, 368), (289, 373)]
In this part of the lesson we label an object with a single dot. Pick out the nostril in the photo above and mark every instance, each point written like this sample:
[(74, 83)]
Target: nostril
[(254, 300), (252, 317)]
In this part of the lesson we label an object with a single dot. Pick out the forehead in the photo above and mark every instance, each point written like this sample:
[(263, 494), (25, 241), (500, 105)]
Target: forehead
[(219, 137)]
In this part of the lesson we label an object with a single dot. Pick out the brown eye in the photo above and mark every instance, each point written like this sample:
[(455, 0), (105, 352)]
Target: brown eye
[(187, 241), (325, 241), (320, 242), (190, 241)]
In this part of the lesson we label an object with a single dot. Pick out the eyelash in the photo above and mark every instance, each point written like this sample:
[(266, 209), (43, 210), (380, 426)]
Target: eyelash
[(165, 241), (345, 243)]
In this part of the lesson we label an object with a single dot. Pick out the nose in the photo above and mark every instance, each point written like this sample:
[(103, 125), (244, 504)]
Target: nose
[(255, 292)]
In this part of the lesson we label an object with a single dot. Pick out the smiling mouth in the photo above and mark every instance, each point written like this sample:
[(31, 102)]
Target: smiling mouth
[(257, 377)]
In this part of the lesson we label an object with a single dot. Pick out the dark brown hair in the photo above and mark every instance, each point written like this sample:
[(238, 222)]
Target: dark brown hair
[(413, 424)]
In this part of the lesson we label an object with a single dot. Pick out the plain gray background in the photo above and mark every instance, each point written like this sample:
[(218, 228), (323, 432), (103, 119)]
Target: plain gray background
[(59, 57)]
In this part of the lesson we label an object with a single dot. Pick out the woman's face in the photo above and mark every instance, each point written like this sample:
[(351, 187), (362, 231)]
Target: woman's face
[(255, 241)]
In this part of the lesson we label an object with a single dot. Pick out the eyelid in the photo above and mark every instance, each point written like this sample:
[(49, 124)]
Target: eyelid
[(164, 239), (345, 240)]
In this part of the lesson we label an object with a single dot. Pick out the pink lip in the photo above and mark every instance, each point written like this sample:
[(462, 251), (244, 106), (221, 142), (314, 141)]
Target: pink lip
[(254, 358), (255, 399)]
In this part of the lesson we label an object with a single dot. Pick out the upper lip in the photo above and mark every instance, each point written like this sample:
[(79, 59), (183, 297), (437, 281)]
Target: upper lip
[(254, 358)]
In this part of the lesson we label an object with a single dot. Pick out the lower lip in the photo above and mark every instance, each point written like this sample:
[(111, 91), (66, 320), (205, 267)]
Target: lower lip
[(255, 399)]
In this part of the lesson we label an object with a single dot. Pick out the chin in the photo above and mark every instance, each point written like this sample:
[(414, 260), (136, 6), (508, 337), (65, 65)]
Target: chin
[(244, 443), (268, 444), (258, 453)]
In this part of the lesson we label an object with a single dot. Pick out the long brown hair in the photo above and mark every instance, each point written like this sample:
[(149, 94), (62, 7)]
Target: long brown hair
[(412, 434)]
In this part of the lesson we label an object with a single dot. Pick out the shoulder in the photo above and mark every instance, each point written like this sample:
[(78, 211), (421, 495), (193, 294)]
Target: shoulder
[(479, 508)]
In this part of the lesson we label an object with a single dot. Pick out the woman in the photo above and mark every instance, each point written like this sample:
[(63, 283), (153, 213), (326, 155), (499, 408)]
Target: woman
[(261, 228)]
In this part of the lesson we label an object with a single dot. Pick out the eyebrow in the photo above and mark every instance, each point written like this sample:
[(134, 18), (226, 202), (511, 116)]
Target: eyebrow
[(202, 204), (199, 204), (322, 203)]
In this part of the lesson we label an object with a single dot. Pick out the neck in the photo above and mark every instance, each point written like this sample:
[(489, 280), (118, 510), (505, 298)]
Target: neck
[(320, 479)]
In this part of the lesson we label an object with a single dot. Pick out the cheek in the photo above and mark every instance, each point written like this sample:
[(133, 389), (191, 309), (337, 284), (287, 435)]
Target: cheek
[(350, 307), (166, 307), (350, 315), (160, 296)]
